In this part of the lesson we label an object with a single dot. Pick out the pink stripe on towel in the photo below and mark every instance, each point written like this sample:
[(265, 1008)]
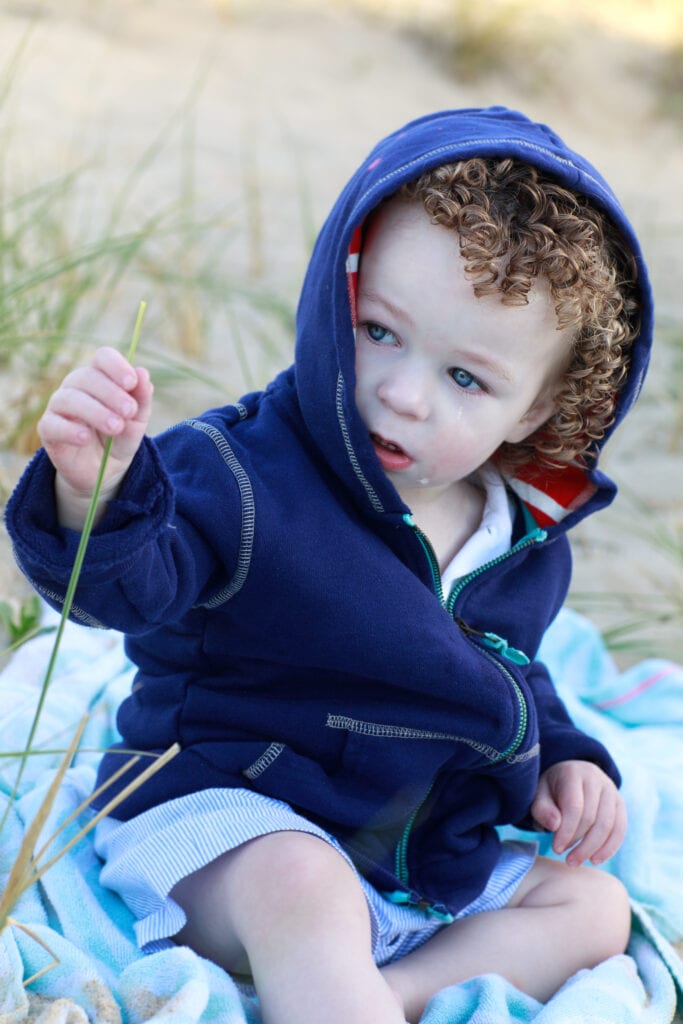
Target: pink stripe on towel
[(636, 690)]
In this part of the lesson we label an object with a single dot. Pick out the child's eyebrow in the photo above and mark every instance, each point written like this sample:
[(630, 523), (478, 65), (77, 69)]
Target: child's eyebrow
[(491, 365), (396, 311)]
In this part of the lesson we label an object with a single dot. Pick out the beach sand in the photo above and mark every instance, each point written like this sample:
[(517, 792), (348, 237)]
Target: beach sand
[(280, 103)]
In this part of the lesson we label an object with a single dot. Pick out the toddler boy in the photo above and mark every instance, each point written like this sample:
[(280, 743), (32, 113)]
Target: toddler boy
[(335, 590)]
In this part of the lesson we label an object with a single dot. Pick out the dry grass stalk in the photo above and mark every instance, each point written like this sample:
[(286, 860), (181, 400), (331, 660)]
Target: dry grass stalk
[(29, 931), (27, 868)]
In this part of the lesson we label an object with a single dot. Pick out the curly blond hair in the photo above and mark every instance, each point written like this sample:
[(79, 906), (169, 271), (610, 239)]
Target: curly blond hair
[(517, 224)]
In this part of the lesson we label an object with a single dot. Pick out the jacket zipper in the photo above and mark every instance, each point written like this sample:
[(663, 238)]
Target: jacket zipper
[(401, 858), (490, 639), (431, 557), (494, 642), (536, 536), (523, 710)]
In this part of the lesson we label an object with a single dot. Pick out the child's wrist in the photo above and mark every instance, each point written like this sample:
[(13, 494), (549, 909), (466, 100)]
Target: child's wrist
[(73, 505)]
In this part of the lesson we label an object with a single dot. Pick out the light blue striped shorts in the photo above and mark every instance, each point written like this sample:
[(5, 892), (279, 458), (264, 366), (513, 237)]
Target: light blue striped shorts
[(146, 856)]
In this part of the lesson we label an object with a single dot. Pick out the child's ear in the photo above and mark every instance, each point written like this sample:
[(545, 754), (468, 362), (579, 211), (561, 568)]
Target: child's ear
[(541, 411)]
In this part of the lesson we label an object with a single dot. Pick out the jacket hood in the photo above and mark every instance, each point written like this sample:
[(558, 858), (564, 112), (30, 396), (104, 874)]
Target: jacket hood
[(324, 361)]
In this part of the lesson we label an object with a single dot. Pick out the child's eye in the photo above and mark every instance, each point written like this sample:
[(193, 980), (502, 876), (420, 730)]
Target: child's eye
[(464, 379), (378, 333)]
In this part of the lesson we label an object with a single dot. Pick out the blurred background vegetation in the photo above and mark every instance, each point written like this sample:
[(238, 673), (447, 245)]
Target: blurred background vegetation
[(187, 154)]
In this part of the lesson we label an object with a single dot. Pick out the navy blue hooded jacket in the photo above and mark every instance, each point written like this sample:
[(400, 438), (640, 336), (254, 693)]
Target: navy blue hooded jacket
[(286, 616)]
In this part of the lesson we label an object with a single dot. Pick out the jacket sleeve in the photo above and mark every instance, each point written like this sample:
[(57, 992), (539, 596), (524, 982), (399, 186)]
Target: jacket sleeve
[(170, 540), (560, 739), (546, 579)]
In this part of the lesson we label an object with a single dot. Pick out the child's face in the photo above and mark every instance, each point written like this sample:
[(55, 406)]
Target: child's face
[(443, 377)]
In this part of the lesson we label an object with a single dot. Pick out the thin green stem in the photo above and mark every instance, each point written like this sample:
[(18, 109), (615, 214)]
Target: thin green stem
[(71, 589)]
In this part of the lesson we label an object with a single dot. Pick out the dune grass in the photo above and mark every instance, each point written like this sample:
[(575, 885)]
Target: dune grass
[(30, 863), (63, 279), (68, 272)]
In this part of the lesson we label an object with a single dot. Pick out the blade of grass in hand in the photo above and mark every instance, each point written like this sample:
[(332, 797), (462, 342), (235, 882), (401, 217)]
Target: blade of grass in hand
[(71, 589)]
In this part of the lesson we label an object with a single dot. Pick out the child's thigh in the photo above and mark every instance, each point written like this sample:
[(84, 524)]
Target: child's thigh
[(279, 880)]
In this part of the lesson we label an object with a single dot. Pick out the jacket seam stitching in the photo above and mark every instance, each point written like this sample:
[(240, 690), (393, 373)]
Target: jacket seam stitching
[(401, 732), (248, 514), (264, 761), (353, 458), (74, 612)]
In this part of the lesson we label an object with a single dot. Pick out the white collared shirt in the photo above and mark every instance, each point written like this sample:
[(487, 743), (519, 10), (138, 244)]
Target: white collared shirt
[(492, 537)]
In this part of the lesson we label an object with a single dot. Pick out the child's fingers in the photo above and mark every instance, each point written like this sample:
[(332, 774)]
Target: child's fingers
[(106, 389), (606, 834), (92, 402), (592, 814), (544, 810), (615, 836), (54, 429), (106, 399), (109, 378), (579, 805), (596, 835), (142, 394), (101, 397), (115, 366)]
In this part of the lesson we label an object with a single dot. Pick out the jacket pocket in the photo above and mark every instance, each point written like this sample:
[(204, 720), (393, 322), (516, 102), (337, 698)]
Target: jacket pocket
[(330, 793), (401, 750)]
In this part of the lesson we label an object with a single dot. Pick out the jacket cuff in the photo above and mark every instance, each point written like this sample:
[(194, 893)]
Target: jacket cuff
[(578, 747), (44, 549)]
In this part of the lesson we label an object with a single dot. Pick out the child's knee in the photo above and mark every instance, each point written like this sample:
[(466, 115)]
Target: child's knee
[(600, 911), (606, 912), (297, 869), (594, 905)]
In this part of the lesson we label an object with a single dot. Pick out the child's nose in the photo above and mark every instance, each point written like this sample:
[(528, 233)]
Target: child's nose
[(406, 392)]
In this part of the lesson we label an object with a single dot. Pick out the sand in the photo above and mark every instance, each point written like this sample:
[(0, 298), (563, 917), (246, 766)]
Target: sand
[(284, 101)]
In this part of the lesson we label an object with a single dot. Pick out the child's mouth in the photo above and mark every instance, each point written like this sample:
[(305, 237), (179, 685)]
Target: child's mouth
[(391, 456)]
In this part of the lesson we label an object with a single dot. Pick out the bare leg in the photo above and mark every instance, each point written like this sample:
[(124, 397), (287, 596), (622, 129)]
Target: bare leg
[(288, 909), (560, 920)]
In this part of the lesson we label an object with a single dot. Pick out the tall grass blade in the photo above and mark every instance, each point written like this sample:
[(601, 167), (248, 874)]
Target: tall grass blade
[(71, 589), (8, 77)]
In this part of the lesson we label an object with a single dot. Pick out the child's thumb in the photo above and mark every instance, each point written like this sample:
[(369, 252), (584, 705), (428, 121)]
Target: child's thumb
[(545, 811)]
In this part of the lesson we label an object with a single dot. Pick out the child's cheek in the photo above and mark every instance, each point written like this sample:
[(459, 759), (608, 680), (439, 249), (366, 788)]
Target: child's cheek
[(441, 461)]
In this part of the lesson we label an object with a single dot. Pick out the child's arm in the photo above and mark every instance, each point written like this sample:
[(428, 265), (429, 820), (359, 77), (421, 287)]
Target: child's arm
[(170, 537), (579, 803), (107, 398)]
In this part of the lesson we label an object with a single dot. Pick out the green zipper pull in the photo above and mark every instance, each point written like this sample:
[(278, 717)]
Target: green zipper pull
[(502, 647), (494, 642), (406, 899)]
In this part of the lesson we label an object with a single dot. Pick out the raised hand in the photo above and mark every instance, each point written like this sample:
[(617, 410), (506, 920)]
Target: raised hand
[(107, 398)]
